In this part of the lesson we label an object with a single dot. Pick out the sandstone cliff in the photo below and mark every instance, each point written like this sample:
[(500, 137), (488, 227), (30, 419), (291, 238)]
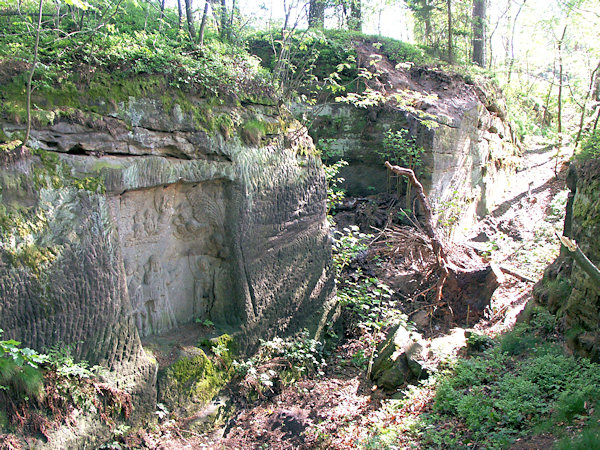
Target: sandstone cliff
[(470, 150), (565, 288), (134, 215)]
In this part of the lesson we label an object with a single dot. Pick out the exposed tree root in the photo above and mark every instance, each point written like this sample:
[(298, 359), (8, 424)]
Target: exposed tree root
[(468, 286)]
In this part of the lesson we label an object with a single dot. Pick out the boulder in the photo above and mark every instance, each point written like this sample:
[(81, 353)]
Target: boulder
[(400, 358)]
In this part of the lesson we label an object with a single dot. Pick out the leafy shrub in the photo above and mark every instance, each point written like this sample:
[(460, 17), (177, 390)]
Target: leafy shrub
[(514, 386), (280, 362), (20, 369), (590, 146), (479, 342), (589, 439), (58, 385), (135, 40)]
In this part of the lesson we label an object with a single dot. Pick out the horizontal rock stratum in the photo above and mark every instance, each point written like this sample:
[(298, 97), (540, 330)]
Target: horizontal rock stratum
[(154, 214)]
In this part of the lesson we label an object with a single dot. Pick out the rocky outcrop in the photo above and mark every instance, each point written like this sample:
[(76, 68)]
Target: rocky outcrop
[(400, 358), (566, 289), (470, 150), (157, 213)]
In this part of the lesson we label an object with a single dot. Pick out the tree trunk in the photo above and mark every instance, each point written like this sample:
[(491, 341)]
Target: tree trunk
[(179, 10), (224, 27), (162, 15), (512, 43), (203, 24), (449, 12), (436, 242), (584, 106), (479, 25), (189, 14), (231, 16), (586, 265), (427, 30), (560, 88), (355, 22), (316, 14), (469, 290), (30, 78)]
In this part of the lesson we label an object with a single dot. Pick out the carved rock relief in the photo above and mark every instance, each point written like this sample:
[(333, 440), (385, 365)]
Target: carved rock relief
[(176, 254)]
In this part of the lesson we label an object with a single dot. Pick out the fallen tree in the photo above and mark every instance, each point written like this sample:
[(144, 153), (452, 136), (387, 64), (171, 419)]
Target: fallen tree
[(466, 284)]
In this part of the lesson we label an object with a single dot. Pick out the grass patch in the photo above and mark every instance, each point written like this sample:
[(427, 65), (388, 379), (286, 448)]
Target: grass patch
[(524, 384)]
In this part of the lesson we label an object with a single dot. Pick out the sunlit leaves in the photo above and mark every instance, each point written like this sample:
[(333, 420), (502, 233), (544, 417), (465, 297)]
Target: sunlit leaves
[(81, 4)]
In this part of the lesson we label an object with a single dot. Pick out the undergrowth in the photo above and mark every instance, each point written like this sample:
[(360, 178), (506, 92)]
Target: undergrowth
[(39, 392), (519, 385), (280, 362)]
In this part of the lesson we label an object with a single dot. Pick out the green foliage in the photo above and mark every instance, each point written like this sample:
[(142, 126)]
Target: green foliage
[(401, 52), (479, 342), (400, 148), (335, 195), (195, 378), (317, 62), (280, 362), (253, 131), (369, 300), (347, 244), (510, 388), (62, 361), (124, 39), (590, 438), (590, 146), (224, 348), (20, 369), (306, 59)]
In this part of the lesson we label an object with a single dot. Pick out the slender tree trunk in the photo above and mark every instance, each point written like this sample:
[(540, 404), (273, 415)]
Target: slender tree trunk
[(189, 14), (584, 106), (316, 14), (449, 12), (180, 11), (560, 85), (57, 18), (436, 242), (512, 42), (231, 16), (31, 71), (162, 15), (203, 24), (582, 260), (560, 89), (491, 35), (215, 8), (427, 30), (479, 25), (355, 22), (224, 27)]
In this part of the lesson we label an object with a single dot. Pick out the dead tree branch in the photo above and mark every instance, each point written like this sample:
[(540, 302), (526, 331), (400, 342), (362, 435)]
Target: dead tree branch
[(586, 265), (436, 242)]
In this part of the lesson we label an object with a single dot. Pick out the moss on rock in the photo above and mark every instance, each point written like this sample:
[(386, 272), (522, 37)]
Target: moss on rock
[(192, 382)]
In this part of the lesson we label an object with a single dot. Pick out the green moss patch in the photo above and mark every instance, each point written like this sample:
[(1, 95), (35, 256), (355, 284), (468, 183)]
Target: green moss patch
[(192, 382)]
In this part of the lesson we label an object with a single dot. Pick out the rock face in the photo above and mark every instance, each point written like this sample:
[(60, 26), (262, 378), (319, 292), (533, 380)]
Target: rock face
[(135, 221), (470, 151), (565, 288), (400, 358)]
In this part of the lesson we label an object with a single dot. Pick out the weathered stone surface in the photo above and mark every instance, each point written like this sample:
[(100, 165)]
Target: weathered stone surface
[(469, 157), (566, 289), (189, 385), (400, 358), (133, 224)]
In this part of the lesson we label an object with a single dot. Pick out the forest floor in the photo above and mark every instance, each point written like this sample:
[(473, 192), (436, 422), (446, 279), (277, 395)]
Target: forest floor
[(342, 408)]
